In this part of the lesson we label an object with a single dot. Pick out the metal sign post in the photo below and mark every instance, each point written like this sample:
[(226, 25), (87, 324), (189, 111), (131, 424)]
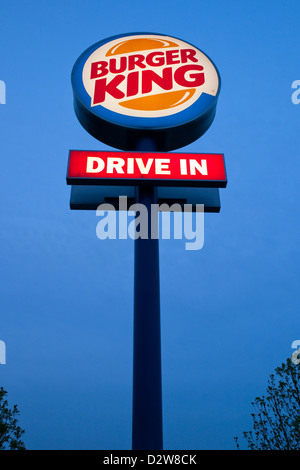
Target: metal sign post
[(147, 432)]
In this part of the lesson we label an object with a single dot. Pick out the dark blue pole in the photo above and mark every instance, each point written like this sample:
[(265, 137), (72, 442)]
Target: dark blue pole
[(147, 431)]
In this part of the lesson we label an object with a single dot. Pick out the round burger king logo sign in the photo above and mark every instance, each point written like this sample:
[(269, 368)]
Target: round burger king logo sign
[(138, 85)]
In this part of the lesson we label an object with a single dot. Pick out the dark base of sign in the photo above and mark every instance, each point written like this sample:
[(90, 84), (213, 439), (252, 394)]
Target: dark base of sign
[(127, 138), (90, 197)]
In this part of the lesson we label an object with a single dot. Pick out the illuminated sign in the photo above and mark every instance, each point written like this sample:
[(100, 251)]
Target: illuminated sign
[(145, 94), (148, 85), (162, 169)]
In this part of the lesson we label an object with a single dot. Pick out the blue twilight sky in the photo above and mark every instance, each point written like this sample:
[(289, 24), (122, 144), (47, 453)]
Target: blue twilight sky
[(229, 311)]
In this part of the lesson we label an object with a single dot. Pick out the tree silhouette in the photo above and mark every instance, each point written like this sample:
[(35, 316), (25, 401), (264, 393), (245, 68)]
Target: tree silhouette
[(276, 416), (10, 432)]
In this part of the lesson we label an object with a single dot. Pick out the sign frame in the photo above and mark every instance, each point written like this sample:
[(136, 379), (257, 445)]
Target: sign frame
[(90, 197)]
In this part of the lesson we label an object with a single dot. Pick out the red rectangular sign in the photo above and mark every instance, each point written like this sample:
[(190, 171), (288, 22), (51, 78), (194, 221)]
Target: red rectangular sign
[(135, 168)]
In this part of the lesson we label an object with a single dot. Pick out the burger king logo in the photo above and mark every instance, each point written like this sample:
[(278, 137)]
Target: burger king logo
[(147, 82), (148, 76)]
